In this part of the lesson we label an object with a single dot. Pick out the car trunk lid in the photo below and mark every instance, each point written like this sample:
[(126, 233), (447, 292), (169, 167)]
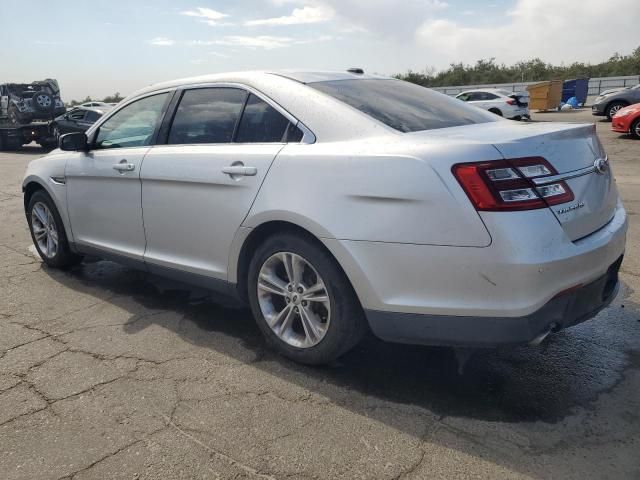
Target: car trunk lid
[(572, 149), (576, 153)]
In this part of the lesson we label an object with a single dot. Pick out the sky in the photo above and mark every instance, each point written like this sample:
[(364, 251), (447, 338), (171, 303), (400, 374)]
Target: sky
[(100, 47)]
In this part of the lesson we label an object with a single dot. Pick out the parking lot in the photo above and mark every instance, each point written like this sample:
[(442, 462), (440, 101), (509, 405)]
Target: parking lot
[(106, 372)]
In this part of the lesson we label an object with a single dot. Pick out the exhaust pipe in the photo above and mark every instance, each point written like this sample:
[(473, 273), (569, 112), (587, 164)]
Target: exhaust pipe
[(540, 338)]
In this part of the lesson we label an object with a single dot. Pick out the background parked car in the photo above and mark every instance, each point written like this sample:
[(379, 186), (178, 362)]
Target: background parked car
[(96, 104), (501, 102), (610, 101), (77, 120), (627, 120)]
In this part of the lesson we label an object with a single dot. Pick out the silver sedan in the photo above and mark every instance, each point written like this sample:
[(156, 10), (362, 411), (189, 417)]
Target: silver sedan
[(336, 203)]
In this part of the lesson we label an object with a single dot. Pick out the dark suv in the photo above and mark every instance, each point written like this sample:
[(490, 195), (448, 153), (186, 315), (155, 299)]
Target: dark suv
[(22, 103)]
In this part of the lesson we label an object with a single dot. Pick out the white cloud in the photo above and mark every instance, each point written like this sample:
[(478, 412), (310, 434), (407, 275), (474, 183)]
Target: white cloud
[(218, 54), (207, 15), (398, 20), (299, 16), (567, 31), (161, 42), (265, 42)]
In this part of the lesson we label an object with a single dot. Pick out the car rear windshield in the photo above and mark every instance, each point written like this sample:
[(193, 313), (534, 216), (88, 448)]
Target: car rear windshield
[(402, 105)]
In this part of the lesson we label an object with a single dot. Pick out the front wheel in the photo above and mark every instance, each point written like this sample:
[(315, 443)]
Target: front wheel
[(302, 301), (613, 108), (47, 232), (635, 129)]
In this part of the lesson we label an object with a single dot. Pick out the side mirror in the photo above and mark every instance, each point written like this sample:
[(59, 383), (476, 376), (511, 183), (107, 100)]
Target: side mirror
[(73, 142)]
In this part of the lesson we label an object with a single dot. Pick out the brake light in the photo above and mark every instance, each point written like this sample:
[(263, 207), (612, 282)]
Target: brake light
[(511, 102), (505, 185)]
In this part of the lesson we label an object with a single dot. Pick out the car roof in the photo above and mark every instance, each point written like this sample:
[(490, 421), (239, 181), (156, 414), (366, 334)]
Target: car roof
[(300, 76), (490, 90), (304, 76)]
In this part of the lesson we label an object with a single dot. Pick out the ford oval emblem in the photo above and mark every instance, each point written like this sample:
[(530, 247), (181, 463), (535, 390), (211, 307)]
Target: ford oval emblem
[(601, 165)]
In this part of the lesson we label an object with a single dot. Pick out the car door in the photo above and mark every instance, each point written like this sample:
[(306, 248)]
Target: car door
[(198, 188), (103, 183)]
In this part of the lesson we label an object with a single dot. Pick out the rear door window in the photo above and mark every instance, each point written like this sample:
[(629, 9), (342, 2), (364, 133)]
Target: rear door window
[(261, 123), (77, 115), (91, 116), (207, 115)]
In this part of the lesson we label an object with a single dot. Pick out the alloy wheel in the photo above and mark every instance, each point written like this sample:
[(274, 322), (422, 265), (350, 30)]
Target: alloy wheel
[(293, 299), (44, 100), (614, 109), (45, 231)]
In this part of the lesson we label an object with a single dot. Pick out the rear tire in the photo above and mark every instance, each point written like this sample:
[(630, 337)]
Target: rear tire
[(339, 318), (496, 111), (47, 232)]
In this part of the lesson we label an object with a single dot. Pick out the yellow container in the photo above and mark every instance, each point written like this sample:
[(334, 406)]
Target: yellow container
[(545, 95)]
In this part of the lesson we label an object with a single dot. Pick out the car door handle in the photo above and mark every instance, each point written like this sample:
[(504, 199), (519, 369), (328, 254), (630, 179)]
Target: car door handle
[(124, 166), (237, 170)]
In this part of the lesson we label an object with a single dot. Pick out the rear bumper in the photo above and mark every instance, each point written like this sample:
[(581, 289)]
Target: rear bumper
[(560, 312), (598, 110)]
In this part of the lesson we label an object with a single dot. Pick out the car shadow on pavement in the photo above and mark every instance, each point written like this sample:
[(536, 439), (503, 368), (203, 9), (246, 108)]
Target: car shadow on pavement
[(510, 384)]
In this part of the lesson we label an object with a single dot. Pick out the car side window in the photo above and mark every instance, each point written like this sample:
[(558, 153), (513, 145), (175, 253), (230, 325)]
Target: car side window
[(464, 97), (91, 116), (207, 115), (293, 134), (134, 125), (474, 97), (77, 115), (489, 96), (261, 123)]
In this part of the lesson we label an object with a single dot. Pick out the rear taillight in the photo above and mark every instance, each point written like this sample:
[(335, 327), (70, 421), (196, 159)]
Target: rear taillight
[(511, 102), (505, 185)]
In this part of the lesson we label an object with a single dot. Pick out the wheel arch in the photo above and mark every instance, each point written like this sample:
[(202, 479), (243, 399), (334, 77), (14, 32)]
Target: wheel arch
[(615, 100), (253, 237), (33, 184)]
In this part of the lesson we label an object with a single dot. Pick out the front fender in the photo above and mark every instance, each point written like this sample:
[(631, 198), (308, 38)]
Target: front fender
[(42, 172)]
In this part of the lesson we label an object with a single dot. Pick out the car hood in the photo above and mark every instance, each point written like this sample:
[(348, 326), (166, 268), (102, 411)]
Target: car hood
[(613, 90)]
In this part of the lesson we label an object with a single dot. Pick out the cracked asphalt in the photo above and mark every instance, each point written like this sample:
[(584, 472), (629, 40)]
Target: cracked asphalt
[(106, 372)]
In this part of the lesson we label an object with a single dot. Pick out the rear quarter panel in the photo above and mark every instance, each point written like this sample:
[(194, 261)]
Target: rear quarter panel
[(367, 191)]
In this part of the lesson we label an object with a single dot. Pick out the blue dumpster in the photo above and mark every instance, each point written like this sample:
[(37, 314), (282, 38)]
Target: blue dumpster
[(575, 88)]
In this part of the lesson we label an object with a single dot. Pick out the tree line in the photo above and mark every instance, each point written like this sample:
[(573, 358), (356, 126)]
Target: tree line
[(488, 71), (115, 98)]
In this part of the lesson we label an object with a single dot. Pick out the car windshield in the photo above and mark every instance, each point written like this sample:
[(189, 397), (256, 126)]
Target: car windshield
[(402, 105)]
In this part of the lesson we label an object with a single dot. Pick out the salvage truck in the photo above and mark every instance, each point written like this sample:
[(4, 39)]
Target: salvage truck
[(26, 112)]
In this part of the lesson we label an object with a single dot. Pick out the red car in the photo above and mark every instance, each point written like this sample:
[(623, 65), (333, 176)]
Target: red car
[(627, 120)]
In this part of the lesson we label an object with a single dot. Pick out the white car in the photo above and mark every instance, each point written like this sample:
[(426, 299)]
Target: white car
[(336, 202), (510, 105), (96, 104)]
